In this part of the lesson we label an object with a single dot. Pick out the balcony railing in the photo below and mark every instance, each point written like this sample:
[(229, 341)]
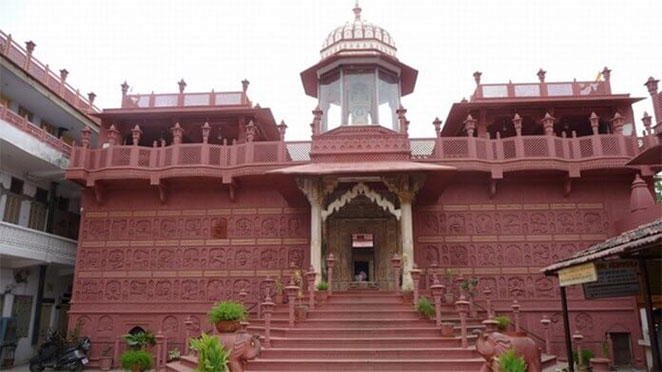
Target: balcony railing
[(23, 124), (19, 241), (528, 90), (42, 73), (526, 147), (185, 99)]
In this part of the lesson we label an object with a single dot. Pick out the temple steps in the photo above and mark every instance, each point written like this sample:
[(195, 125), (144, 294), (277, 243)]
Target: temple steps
[(362, 352), (300, 364), (364, 342)]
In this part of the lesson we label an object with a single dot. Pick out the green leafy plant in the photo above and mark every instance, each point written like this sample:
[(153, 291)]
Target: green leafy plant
[(322, 286), (469, 286), (211, 355), (511, 362), (502, 322), (174, 354), (278, 286), (136, 360), (140, 340), (587, 354), (227, 310), (425, 307)]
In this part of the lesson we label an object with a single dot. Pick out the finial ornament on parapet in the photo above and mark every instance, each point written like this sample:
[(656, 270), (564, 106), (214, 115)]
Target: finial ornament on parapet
[(125, 88), (90, 97), (29, 46), (470, 125), (437, 126), (112, 134), (182, 85), (548, 124), (282, 127), (595, 122), (651, 84), (136, 133), (606, 73), (617, 123), (86, 134), (244, 85), (541, 75), (63, 74), (402, 119), (317, 120), (206, 128), (648, 122), (251, 130), (517, 123), (477, 76), (177, 134)]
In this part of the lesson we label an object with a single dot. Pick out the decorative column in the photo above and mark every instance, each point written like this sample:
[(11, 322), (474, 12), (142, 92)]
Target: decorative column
[(159, 350), (188, 325), (406, 229), (595, 122), (267, 309), (437, 127), (396, 263), (415, 274), (311, 275), (548, 124), (548, 341), (462, 307), (317, 121), (437, 288), (516, 306), (330, 261), (291, 290), (205, 132), (177, 134), (488, 302), (112, 135), (282, 148), (470, 125), (311, 189), (116, 352), (477, 76)]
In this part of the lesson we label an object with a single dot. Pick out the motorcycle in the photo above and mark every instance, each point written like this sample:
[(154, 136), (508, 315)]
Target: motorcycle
[(57, 354)]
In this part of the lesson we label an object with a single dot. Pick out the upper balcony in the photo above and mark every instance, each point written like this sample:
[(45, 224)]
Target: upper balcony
[(181, 100), (33, 245), (39, 133)]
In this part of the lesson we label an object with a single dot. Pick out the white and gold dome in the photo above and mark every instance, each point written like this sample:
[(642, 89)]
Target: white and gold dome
[(358, 36)]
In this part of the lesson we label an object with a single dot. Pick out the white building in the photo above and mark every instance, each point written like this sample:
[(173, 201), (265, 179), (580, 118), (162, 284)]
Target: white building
[(40, 116)]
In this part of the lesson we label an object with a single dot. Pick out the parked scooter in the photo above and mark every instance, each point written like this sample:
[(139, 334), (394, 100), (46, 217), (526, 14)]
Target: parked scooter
[(57, 354)]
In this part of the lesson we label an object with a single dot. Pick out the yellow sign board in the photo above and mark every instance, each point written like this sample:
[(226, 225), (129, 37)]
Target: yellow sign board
[(580, 274)]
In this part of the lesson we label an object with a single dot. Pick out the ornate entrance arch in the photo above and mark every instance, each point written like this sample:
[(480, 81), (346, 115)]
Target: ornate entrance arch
[(361, 189)]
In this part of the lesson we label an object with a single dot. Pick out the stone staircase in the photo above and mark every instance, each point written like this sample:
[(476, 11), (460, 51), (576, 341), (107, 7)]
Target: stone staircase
[(360, 330)]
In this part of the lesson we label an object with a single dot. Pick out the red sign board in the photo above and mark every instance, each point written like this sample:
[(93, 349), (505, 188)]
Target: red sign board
[(362, 241)]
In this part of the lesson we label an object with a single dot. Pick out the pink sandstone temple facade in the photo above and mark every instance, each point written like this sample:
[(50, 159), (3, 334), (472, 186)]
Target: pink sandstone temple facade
[(191, 198)]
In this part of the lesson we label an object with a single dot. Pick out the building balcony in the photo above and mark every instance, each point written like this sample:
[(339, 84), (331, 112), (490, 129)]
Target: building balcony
[(38, 133), (547, 152), (27, 244)]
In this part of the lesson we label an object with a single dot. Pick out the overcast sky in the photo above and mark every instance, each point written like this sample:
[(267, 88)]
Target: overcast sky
[(216, 44)]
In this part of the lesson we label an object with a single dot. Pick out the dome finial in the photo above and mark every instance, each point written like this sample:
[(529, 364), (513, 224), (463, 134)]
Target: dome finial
[(357, 11)]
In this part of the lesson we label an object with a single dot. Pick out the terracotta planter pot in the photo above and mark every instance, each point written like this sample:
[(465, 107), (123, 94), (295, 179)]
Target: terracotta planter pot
[(447, 331), (227, 326), (324, 295), (278, 299), (407, 297), (105, 363), (600, 364)]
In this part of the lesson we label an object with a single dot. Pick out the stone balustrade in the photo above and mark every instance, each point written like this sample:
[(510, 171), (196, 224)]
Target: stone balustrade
[(35, 131), (33, 244)]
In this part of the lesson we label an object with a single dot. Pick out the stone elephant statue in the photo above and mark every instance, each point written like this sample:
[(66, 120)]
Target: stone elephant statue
[(492, 345), (242, 346)]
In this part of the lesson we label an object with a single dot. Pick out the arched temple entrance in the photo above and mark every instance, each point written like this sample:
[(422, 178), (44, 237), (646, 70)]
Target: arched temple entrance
[(361, 216)]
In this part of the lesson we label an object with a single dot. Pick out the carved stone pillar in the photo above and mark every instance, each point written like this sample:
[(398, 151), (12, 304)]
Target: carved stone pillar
[(268, 309), (311, 277), (188, 326), (462, 307), (396, 262), (595, 122), (329, 272), (516, 306), (311, 189), (548, 341), (415, 274), (437, 289), (291, 290)]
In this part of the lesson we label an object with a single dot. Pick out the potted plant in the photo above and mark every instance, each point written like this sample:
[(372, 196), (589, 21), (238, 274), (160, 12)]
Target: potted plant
[(503, 322), (511, 362), (447, 329), (407, 293), (227, 315), (323, 287), (278, 290), (425, 308), (106, 360), (601, 364), (174, 354), (450, 279), (136, 360), (211, 355), (587, 355), (300, 312), (469, 287), (140, 340)]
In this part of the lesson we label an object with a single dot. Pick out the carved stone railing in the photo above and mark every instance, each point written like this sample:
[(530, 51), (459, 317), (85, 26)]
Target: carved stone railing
[(186, 100), (542, 89), (22, 242), (23, 124), (57, 83)]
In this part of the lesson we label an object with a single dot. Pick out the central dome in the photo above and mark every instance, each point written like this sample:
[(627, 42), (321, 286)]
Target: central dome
[(358, 36)]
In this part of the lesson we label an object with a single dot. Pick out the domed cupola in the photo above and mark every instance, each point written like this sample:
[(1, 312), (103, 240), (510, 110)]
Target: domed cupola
[(358, 35), (358, 80)]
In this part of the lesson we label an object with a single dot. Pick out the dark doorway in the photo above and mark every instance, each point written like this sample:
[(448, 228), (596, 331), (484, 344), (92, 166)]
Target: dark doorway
[(622, 348), (362, 268)]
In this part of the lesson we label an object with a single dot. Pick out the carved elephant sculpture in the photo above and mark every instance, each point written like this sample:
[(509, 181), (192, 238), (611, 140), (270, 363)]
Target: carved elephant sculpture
[(492, 345), (243, 347)]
